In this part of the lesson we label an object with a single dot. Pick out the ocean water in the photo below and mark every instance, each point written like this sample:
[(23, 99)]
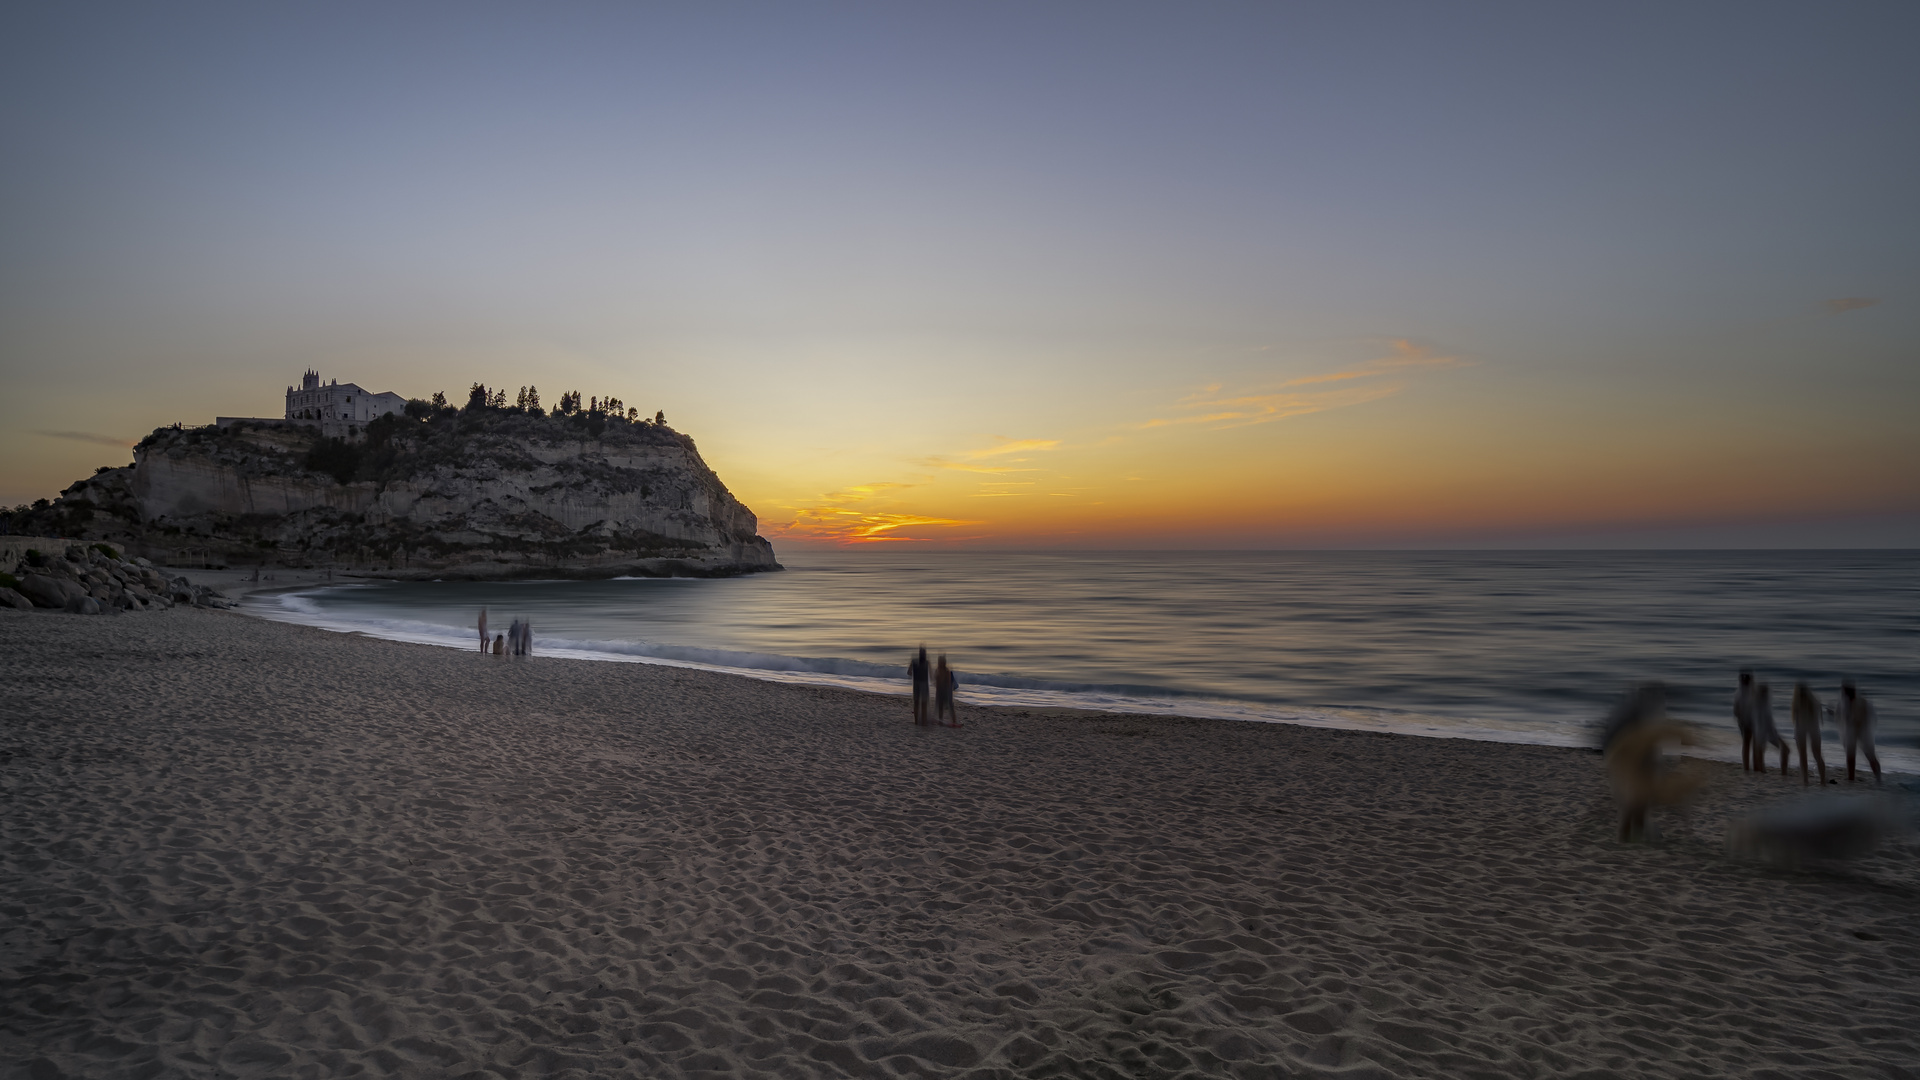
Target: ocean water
[(1509, 646)]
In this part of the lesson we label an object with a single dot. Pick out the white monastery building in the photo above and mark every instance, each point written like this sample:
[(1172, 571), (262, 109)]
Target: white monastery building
[(339, 410), (337, 401)]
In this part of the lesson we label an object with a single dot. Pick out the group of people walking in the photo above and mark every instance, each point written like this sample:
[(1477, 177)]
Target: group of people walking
[(517, 641), (1852, 714), (943, 683)]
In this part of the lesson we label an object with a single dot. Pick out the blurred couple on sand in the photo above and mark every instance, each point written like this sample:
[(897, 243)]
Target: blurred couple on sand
[(944, 682)]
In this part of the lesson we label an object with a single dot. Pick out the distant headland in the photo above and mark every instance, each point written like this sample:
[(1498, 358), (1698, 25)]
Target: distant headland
[(376, 484)]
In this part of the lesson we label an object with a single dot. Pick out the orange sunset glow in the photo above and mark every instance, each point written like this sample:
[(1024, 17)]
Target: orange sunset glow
[(1180, 288)]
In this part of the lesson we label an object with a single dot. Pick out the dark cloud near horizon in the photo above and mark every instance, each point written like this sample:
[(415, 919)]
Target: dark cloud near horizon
[(1845, 304), (88, 437)]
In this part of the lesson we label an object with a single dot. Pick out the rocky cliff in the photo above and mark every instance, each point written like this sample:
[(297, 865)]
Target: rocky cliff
[(477, 493)]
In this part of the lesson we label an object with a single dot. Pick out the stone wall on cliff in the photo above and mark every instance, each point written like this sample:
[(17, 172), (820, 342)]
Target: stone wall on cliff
[(477, 493)]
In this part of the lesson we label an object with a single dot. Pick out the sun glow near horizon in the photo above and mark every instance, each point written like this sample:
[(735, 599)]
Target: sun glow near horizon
[(963, 276), (1406, 440)]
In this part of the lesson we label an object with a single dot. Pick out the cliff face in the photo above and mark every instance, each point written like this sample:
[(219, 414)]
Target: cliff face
[(481, 493)]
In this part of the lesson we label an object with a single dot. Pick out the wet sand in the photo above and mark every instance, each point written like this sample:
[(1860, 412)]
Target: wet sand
[(241, 848)]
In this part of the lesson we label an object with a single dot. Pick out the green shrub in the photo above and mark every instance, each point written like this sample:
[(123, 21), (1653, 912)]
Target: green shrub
[(35, 558), (8, 581), (107, 551), (337, 458)]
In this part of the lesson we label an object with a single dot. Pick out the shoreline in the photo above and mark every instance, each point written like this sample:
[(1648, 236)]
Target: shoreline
[(267, 850), (1719, 741)]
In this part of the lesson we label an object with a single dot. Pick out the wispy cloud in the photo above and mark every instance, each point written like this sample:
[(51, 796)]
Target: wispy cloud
[(853, 527), (1012, 446), (839, 518), (1844, 304), (1001, 449), (1367, 381), (89, 437), (868, 514), (863, 492), (940, 463)]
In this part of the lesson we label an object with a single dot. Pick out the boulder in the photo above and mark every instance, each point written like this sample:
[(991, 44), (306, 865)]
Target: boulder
[(48, 591), (13, 599), (82, 605)]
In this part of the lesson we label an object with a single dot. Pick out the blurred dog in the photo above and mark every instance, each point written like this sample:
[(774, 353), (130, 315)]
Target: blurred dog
[(1815, 828)]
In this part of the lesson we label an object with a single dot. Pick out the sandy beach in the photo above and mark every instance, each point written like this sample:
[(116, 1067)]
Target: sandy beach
[(236, 848)]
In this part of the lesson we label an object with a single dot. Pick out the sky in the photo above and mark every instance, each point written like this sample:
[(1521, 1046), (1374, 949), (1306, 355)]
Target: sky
[(1096, 275)]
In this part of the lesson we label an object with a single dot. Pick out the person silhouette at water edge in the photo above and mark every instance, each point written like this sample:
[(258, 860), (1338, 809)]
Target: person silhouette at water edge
[(1765, 732), (483, 629), (944, 684), (1856, 728), (1743, 716), (917, 674), (1806, 730)]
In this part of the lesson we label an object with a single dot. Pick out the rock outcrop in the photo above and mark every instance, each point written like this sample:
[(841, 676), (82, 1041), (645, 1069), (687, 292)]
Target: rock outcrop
[(89, 579), (478, 493)]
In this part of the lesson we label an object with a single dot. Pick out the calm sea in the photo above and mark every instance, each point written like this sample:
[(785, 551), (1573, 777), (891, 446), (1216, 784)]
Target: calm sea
[(1510, 646)]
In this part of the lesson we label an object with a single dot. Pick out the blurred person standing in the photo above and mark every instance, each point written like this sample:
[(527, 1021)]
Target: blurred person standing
[(1632, 739), (1856, 728), (483, 629), (944, 684), (1806, 730), (1743, 715), (918, 673), (1765, 732)]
